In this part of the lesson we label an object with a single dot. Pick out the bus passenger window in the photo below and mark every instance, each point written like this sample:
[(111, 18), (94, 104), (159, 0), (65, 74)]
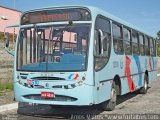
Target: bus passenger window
[(127, 41), (151, 47), (135, 43), (147, 46), (141, 44), (117, 39)]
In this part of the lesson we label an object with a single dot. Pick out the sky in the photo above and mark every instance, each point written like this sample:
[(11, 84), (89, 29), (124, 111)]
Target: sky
[(145, 14)]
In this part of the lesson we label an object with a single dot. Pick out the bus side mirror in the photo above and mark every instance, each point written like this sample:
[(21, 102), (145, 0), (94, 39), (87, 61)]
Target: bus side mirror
[(6, 36), (7, 39)]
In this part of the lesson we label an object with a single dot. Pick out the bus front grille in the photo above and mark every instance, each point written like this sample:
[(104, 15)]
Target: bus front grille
[(56, 98), (48, 78)]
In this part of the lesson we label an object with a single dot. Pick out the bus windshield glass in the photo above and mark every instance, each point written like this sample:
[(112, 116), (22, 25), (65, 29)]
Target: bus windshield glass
[(53, 48)]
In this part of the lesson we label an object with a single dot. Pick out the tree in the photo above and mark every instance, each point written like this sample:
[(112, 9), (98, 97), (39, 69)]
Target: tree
[(158, 35), (158, 43)]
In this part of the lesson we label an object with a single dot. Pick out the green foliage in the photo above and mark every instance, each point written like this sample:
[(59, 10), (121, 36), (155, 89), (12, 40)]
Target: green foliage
[(158, 43), (6, 87), (158, 35)]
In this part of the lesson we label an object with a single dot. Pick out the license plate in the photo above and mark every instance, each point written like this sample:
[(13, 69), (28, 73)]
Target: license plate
[(47, 94)]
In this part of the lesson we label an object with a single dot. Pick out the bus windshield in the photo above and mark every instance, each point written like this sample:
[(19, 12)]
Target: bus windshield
[(53, 48)]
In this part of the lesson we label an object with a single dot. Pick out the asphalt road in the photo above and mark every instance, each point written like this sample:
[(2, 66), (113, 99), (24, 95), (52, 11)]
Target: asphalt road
[(129, 104)]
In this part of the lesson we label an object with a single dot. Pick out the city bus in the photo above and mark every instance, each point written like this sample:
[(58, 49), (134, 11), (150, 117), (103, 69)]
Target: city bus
[(80, 56)]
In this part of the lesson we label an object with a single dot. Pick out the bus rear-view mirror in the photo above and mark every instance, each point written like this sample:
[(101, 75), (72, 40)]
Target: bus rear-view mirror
[(9, 37)]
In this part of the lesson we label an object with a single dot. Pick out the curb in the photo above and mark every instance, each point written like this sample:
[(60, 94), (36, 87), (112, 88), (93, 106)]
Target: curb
[(12, 106), (8, 107)]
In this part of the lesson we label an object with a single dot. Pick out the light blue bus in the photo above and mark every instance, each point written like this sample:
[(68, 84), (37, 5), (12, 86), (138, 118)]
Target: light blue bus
[(81, 56)]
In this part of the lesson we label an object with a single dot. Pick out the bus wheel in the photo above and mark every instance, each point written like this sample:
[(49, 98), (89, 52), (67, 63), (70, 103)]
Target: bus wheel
[(110, 104), (144, 89)]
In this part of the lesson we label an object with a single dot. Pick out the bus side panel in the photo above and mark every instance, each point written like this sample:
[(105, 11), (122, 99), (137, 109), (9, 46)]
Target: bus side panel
[(104, 91), (153, 76), (134, 77), (131, 70), (124, 86), (103, 84), (153, 69)]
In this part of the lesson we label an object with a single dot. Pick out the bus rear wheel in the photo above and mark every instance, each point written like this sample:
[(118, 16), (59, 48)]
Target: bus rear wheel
[(144, 89), (110, 104)]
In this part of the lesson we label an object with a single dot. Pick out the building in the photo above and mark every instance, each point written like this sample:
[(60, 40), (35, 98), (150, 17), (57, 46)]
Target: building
[(8, 17)]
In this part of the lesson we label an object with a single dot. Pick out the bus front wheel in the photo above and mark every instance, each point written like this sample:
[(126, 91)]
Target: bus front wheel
[(110, 104)]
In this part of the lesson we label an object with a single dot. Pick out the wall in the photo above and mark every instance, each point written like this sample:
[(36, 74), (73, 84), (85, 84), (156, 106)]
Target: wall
[(13, 17), (6, 60)]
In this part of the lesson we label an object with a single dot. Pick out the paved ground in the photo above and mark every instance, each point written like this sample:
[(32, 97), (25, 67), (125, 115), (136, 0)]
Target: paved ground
[(6, 98), (132, 103)]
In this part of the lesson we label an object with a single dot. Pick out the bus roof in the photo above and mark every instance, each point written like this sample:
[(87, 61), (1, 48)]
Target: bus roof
[(95, 11)]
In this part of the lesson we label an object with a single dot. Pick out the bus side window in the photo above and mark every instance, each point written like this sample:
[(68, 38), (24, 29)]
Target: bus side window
[(117, 39), (127, 41), (135, 43), (151, 47), (147, 46), (141, 44), (102, 43)]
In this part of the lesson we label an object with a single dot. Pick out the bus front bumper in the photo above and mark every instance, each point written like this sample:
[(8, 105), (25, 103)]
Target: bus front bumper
[(78, 96)]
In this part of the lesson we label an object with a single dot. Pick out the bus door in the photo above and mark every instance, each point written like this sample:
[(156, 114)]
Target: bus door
[(102, 49)]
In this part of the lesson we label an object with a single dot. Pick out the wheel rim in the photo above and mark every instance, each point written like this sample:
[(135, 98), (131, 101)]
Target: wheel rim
[(114, 96), (145, 85)]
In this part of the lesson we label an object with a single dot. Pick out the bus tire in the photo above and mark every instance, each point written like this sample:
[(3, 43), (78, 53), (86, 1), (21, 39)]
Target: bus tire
[(109, 105), (144, 89)]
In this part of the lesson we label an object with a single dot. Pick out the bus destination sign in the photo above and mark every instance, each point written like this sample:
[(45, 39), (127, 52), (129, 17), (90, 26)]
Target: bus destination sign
[(55, 16)]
